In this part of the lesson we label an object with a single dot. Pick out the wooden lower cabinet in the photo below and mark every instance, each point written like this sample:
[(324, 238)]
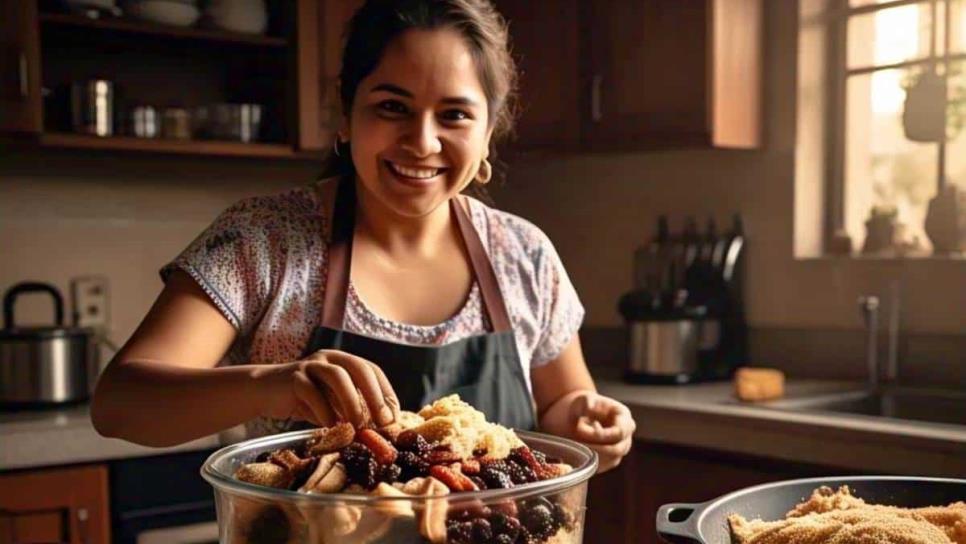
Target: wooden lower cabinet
[(64, 505), (622, 503)]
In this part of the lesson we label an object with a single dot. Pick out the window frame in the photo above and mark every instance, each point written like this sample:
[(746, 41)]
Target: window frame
[(839, 74)]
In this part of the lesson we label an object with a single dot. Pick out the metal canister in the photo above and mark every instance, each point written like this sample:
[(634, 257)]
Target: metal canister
[(92, 107)]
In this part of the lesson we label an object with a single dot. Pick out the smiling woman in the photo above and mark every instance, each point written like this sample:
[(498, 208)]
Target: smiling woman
[(381, 286)]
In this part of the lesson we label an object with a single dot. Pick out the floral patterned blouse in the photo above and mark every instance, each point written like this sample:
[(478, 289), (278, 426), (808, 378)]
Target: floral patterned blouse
[(263, 264)]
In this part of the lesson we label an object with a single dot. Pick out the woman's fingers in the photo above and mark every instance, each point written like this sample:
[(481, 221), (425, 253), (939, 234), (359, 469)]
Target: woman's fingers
[(388, 393), (339, 390), (365, 378), (312, 401), (610, 455), (600, 420)]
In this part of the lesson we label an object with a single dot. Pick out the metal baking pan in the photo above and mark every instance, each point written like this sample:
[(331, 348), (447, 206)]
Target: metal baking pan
[(707, 523)]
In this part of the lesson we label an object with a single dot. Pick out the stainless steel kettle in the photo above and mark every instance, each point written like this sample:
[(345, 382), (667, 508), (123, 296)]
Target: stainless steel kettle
[(44, 365)]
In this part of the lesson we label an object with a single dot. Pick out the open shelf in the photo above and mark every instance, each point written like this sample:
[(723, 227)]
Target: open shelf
[(146, 28), (161, 145)]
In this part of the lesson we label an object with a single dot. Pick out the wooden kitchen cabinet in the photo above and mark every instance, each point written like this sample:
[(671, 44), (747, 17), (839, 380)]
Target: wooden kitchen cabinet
[(543, 34), (622, 504), (58, 505), (638, 74), (19, 68), (45, 49)]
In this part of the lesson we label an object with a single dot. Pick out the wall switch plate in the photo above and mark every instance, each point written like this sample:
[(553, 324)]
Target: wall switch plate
[(90, 298)]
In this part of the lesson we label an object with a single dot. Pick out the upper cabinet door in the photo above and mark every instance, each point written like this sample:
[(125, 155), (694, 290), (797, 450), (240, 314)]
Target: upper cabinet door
[(671, 73), (644, 71), (20, 102), (543, 35), (321, 30)]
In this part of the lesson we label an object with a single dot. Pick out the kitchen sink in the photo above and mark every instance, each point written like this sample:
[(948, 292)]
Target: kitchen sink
[(947, 407)]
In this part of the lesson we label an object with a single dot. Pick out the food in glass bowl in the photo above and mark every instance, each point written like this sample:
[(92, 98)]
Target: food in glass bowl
[(444, 474)]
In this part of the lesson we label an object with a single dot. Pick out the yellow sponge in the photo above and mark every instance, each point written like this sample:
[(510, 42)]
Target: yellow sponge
[(757, 384)]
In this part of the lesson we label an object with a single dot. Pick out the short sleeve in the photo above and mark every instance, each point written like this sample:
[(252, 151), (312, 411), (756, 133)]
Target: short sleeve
[(562, 313), (232, 260)]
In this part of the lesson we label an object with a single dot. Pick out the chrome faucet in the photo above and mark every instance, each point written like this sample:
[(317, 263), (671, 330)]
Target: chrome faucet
[(869, 306)]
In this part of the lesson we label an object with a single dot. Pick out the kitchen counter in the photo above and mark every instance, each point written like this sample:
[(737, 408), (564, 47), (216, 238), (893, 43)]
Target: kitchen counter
[(31, 439), (702, 416), (708, 416)]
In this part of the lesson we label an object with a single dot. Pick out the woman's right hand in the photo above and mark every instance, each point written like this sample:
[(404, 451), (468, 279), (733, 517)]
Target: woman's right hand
[(326, 387)]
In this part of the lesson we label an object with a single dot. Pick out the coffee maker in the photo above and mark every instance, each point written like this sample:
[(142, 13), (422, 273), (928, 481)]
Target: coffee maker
[(685, 316)]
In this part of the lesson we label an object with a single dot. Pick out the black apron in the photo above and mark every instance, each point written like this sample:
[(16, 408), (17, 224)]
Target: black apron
[(484, 370)]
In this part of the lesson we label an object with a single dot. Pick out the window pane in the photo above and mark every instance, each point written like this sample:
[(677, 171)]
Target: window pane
[(956, 147), (891, 35), (957, 25), (883, 167)]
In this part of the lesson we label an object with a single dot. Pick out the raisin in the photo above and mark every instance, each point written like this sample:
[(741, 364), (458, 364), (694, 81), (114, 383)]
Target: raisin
[(538, 520), (412, 441), (479, 482), (390, 473), (482, 531), (460, 532), (360, 466), (495, 478), (411, 465), (503, 524), (520, 474)]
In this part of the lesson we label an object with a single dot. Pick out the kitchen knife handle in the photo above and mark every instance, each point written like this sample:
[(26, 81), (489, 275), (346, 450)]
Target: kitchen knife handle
[(595, 89), (23, 75), (672, 528)]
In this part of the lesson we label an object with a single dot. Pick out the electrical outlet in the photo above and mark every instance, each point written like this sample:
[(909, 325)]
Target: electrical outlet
[(90, 298)]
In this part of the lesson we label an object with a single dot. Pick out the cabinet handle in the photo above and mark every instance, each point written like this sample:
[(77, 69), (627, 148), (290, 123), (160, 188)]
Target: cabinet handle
[(595, 113), (82, 529), (22, 75)]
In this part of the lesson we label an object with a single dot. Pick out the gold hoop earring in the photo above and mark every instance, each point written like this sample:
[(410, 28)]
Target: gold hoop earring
[(485, 172)]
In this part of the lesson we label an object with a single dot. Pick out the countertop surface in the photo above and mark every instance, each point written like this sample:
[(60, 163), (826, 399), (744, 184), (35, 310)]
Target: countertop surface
[(708, 416), (62, 436), (701, 416)]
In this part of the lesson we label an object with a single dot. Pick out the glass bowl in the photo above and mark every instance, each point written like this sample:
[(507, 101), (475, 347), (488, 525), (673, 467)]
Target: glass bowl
[(254, 514)]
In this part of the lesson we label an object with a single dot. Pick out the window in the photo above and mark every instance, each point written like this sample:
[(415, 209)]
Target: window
[(898, 111)]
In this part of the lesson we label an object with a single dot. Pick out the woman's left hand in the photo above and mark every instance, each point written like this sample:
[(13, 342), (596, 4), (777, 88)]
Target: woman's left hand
[(604, 425)]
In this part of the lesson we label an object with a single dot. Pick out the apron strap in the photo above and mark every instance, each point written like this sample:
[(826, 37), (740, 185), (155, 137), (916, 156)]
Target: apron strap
[(493, 303), (340, 261), (340, 255)]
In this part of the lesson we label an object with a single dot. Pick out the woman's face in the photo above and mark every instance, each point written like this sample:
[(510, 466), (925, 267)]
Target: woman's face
[(418, 125)]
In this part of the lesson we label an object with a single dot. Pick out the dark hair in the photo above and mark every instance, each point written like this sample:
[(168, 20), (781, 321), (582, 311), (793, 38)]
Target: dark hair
[(378, 22)]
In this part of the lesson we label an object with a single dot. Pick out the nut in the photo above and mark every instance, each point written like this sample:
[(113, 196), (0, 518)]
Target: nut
[(267, 474), (329, 476), (330, 439)]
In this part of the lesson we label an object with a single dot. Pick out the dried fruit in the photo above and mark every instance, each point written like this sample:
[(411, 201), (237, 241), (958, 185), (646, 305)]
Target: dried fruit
[(503, 524), (524, 456), (412, 441), (329, 439), (470, 466), (390, 473), (459, 532), (383, 452), (455, 481), (482, 531), (412, 466), (360, 465), (439, 457), (520, 474), (537, 517), (267, 474), (495, 478), (329, 476)]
